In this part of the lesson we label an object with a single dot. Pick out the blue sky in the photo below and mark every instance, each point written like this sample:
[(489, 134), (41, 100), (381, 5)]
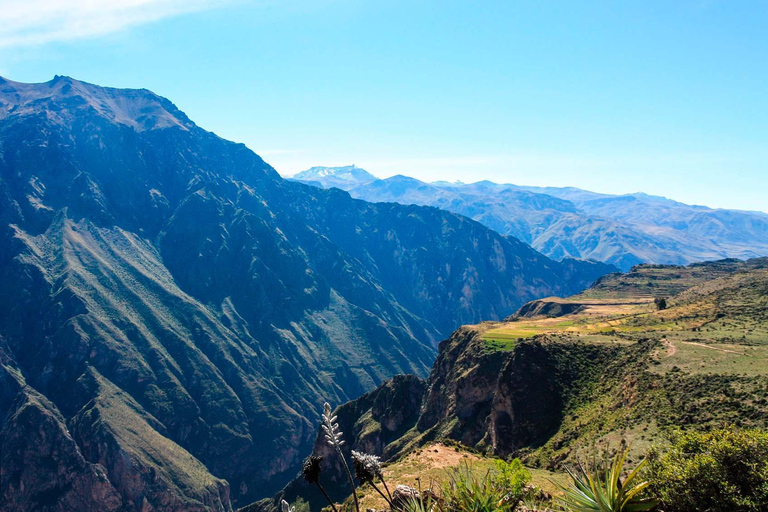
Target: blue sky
[(663, 97)]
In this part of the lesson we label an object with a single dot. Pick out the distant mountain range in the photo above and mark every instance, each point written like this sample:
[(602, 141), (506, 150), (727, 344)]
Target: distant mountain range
[(173, 314), (621, 230)]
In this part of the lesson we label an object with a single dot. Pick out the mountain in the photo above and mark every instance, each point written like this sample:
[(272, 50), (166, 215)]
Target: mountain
[(569, 222), (173, 313), (339, 177), (565, 378)]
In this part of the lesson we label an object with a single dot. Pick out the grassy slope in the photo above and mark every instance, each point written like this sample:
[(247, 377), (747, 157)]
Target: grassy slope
[(625, 372), (431, 465), (701, 362)]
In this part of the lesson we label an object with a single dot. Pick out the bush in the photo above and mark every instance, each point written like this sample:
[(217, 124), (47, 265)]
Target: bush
[(720, 471), (512, 479)]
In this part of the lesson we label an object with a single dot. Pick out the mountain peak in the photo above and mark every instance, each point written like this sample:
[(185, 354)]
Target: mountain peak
[(345, 177), (64, 98)]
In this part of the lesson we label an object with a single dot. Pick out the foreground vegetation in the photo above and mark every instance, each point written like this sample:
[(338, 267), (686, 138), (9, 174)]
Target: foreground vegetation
[(723, 470)]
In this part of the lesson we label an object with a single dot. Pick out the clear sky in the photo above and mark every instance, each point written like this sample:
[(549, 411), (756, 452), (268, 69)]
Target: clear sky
[(668, 98)]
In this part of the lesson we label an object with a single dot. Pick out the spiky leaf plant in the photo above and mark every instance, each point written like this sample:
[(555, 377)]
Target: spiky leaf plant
[(602, 490), (466, 491)]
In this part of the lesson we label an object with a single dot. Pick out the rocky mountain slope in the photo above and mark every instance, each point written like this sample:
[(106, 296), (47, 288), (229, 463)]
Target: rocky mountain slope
[(555, 385), (569, 222), (173, 313)]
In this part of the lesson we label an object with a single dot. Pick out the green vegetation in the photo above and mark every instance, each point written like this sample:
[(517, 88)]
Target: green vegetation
[(626, 369), (606, 374), (601, 489), (513, 478), (501, 490), (719, 471)]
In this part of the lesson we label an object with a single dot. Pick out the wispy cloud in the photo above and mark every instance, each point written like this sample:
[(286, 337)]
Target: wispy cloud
[(35, 22)]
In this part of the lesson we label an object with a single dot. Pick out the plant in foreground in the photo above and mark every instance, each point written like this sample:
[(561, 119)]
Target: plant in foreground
[(333, 436), (367, 469), (425, 504), (601, 489), (532, 504), (512, 479), (466, 491), (311, 471)]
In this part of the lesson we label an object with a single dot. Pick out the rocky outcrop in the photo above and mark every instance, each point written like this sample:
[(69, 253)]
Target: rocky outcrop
[(549, 308), (495, 402)]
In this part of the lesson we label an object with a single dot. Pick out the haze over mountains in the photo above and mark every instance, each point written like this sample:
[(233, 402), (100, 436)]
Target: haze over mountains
[(569, 222), (173, 313)]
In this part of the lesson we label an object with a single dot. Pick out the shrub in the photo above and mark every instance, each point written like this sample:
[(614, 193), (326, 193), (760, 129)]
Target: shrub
[(512, 479), (720, 471)]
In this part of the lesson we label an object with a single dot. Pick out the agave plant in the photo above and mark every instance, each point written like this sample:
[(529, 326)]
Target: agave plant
[(467, 491), (603, 490)]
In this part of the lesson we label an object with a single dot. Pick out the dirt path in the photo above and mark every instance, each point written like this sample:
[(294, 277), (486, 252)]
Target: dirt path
[(715, 348), (671, 348)]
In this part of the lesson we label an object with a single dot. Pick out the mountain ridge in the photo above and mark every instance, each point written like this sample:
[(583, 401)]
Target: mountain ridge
[(623, 230), (183, 289)]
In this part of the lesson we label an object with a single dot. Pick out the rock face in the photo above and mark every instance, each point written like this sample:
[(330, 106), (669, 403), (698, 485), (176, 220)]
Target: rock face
[(499, 402), (503, 401), (181, 312), (375, 423)]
